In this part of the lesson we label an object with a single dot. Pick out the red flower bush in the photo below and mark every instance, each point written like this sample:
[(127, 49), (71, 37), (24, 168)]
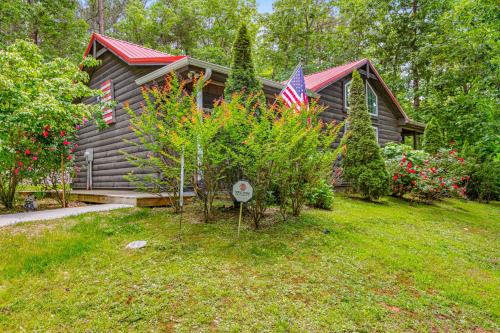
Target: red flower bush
[(423, 176)]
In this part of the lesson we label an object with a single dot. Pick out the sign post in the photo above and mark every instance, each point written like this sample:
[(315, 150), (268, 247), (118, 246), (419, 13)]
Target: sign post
[(181, 192), (242, 192)]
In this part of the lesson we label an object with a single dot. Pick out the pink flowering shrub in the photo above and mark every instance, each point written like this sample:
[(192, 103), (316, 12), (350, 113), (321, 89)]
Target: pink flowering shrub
[(423, 176)]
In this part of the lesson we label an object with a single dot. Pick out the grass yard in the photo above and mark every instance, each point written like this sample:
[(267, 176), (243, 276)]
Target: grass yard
[(387, 267)]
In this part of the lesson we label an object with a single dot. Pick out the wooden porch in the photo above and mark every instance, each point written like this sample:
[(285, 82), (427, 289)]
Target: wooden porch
[(139, 199), (127, 197)]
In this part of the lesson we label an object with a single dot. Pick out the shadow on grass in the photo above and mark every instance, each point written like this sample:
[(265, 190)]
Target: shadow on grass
[(363, 199)]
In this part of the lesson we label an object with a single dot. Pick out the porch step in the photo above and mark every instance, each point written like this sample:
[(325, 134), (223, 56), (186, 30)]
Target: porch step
[(139, 199)]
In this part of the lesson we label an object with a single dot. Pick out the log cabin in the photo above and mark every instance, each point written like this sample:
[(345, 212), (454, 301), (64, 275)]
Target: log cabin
[(125, 67)]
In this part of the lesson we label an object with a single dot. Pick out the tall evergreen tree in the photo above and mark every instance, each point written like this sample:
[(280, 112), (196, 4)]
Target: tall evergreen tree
[(433, 136), (242, 77), (363, 165)]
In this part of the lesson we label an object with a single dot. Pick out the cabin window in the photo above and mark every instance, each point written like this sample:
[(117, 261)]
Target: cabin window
[(371, 100), (347, 90), (375, 129)]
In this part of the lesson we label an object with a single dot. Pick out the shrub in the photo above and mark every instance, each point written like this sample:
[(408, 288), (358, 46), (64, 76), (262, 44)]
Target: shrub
[(307, 153), (424, 176), (433, 137), (284, 152), (484, 183), (171, 126), (363, 166), (320, 196)]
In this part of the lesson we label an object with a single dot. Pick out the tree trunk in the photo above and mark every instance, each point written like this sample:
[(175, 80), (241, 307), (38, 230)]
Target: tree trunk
[(100, 13), (415, 73)]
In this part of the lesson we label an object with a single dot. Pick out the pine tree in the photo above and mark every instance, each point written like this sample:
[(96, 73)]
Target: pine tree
[(242, 77), (433, 137), (364, 168)]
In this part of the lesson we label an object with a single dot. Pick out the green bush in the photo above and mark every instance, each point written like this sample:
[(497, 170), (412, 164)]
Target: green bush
[(433, 137), (364, 168), (484, 183), (320, 196)]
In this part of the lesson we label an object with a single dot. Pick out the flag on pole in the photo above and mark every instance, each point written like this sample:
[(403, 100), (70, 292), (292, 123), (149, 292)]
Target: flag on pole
[(295, 90)]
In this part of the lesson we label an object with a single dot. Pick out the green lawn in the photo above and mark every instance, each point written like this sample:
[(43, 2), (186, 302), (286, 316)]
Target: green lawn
[(386, 267)]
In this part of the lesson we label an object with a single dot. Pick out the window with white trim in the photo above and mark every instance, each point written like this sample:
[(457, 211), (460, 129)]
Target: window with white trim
[(375, 129), (347, 90), (371, 98)]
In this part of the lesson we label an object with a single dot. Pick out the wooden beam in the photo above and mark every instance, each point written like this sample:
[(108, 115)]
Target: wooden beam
[(370, 75), (94, 49), (100, 52)]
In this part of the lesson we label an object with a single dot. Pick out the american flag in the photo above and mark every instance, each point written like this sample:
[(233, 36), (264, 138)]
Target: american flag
[(107, 89), (295, 90)]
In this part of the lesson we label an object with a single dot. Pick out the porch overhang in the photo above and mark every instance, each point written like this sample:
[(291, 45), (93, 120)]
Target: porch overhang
[(412, 126)]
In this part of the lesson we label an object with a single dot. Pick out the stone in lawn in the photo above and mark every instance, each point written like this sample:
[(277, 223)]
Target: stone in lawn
[(137, 245)]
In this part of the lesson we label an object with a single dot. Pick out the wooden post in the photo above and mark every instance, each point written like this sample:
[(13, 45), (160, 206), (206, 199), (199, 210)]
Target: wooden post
[(63, 182), (239, 220), (181, 193)]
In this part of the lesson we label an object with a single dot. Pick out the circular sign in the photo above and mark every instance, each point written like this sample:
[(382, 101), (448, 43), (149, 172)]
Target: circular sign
[(242, 191)]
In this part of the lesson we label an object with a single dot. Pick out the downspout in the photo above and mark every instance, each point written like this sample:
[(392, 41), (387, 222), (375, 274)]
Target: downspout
[(199, 103)]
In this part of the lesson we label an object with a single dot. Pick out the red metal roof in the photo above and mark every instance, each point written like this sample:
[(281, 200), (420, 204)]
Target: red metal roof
[(320, 80), (131, 53)]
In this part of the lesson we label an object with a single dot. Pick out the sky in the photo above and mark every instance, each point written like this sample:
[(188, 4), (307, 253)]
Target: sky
[(265, 6)]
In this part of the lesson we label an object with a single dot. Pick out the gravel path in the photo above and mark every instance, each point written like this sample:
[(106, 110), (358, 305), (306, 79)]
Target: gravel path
[(10, 219)]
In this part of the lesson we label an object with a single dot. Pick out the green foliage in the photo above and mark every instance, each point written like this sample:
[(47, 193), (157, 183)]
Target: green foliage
[(484, 183), (363, 166), (38, 113), (212, 28), (242, 78), (320, 196), (54, 26), (287, 151), (171, 126), (162, 128), (433, 137), (305, 147)]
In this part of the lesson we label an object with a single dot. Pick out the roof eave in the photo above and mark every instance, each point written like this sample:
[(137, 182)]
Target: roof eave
[(161, 72), (339, 76), (348, 71)]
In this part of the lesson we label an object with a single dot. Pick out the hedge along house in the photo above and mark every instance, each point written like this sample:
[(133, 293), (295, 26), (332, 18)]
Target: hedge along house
[(126, 67)]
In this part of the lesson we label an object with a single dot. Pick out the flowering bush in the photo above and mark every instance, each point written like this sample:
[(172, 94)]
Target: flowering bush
[(37, 104), (424, 176)]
